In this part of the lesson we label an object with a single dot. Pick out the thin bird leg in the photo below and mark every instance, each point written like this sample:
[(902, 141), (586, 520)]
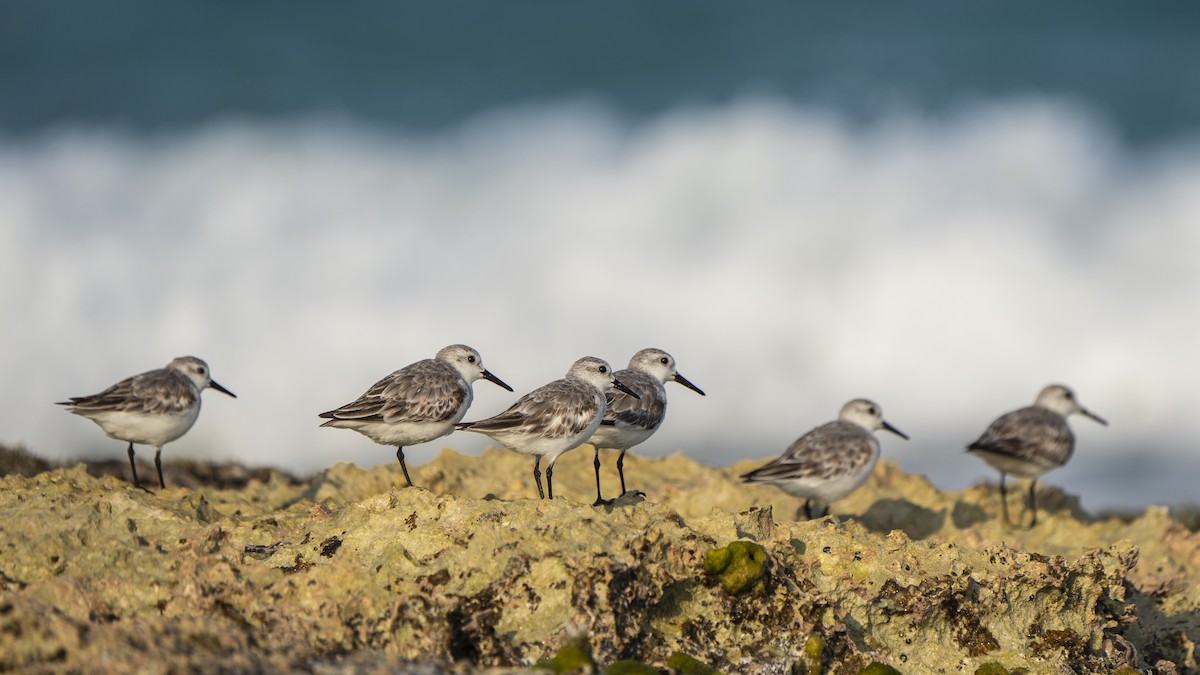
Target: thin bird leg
[(1033, 502), (550, 478), (400, 456), (808, 509), (825, 512), (158, 465), (596, 463), (621, 469), (133, 468), (537, 475), (1004, 500)]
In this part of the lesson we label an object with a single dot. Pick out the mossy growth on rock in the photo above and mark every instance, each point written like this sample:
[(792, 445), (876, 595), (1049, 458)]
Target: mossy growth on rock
[(687, 665), (573, 657), (877, 668), (814, 647), (741, 566), (630, 668)]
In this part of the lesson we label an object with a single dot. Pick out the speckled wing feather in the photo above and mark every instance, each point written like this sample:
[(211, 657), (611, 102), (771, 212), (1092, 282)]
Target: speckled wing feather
[(1031, 434), (163, 391), (834, 448), (557, 410), (646, 412), (425, 391)]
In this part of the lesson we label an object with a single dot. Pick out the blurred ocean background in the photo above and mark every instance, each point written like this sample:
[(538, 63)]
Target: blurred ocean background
[(940, 206)]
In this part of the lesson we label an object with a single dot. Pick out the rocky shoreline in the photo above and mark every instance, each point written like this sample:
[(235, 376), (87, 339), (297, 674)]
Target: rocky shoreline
[(348, 571)]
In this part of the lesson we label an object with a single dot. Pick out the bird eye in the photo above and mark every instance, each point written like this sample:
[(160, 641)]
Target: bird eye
[(603, 369), (200, 370), (664, 360), (471, 359), (872, 411)]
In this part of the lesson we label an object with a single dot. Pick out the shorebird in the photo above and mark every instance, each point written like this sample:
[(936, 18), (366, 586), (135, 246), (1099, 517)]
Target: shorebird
[(554, 418), (1031, 441), (629, 421), (153, 408), (418, 403), (832, 460)]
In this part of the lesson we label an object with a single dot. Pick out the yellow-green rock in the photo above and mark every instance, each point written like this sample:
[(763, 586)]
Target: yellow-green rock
[(741, 566)]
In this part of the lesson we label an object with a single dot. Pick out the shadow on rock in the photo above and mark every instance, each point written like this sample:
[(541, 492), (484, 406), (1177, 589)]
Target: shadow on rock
[(916, 521)]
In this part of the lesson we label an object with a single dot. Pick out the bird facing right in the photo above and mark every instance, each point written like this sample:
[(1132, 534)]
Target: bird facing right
[(153, 408), (555, 417), (1031, 441), (629, 421), (830, 461)]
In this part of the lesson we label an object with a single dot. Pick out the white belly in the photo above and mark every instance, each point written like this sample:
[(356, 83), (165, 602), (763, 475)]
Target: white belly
[(146, 429), (402, 434)]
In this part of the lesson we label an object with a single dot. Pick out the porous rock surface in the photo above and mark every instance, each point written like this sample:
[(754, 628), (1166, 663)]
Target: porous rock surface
[(352, 572)]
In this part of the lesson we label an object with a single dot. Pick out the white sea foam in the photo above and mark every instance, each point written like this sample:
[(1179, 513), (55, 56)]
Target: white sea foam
[(790, 260)]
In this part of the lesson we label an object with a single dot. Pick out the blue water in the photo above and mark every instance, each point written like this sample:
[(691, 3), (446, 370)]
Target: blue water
[(942, 207)]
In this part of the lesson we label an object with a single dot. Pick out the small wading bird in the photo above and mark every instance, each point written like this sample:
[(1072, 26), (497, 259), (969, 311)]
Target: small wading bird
[(629, 421), (418, 403), (153, 408), (1031, 441), (830, 461), (554, 418)]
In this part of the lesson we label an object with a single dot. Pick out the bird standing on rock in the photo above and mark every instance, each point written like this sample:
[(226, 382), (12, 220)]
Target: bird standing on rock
[(554, 418)]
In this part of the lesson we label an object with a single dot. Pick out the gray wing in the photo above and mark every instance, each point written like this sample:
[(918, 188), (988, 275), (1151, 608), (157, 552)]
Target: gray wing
[(561, 408), (1029, 434), (646, 412), (161, 391), (835, 447), (426, 391)]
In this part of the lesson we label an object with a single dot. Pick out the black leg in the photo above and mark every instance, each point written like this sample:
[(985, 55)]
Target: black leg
[(596, 463), (808, 509), (550, 478), (621, 469), (133, 468), (537, 476), (1033, 501), (158, 465), (1004, 500), (825, 511), (403, 466)]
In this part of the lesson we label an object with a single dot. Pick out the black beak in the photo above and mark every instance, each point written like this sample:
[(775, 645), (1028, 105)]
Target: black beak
[(487, 375), (618, 385), (218, 387), (894, 430), (1094, 416), (684, 381)]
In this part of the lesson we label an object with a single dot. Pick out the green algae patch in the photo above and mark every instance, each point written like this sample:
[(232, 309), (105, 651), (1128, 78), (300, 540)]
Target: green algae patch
[(991, 668), (688, 665), (575, 656), (877, 668), (741, 566), (814, 646), (630, 668)]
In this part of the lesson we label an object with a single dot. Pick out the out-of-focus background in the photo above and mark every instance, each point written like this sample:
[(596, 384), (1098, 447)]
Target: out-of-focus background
[(940, 206)]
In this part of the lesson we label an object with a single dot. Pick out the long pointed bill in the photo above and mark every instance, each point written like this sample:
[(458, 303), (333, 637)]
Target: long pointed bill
[(1093, 416), (684, 381), (495, 380), (218, 387), (618, 385), (894, 430)]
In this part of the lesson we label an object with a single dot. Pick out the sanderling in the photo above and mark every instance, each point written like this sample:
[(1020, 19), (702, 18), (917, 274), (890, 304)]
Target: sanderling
[(627, 420), (554, 418), (418, 403), (830, 461), (153, 408), (1031, 441)]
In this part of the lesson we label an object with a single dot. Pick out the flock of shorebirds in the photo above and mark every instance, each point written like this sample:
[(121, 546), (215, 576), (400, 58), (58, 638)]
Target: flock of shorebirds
[(616, 410)]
